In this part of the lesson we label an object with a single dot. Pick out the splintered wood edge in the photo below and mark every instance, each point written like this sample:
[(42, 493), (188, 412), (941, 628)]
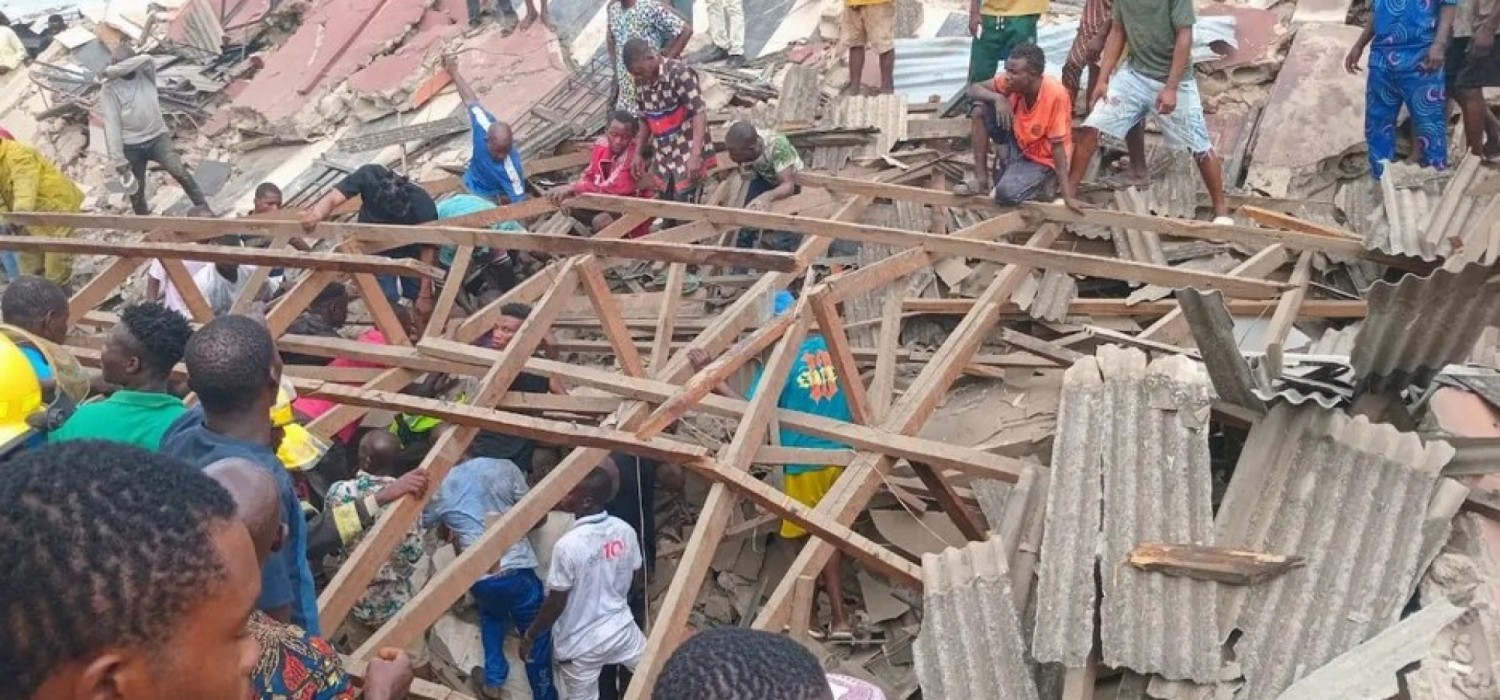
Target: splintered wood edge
[(1219, 564)]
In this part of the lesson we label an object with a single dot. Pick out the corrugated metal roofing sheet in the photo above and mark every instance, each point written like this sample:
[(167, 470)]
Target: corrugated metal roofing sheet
[(1429, 215), (971, 644), (1156, 489), (887, 113), (1420, 324), (1065, 575), (1351, 497)]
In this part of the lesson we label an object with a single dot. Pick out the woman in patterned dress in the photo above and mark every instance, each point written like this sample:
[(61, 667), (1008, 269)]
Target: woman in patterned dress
[(650, 20)]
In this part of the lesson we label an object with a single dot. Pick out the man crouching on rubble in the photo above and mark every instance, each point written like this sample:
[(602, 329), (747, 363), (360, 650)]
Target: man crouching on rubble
[(1030, 117)]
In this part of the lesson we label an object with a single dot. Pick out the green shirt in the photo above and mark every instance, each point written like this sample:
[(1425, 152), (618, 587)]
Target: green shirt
[(135, 417), (1151, 33), (777, 154)]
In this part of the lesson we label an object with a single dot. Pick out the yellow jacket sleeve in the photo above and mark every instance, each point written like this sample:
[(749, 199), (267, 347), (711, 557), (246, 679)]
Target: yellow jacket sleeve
[(25, 176)]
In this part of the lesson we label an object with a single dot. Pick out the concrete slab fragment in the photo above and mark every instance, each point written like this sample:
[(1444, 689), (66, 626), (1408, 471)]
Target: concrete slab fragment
[(1314, 118)]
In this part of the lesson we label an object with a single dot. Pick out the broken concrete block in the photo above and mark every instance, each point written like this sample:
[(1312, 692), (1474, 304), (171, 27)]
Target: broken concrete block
[(1314, 118)]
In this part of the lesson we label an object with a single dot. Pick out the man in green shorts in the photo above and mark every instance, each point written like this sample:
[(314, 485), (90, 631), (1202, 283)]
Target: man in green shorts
[(997, 26)]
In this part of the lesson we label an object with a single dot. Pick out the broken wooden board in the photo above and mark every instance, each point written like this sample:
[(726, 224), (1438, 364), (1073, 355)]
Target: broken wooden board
[(1211, 563)]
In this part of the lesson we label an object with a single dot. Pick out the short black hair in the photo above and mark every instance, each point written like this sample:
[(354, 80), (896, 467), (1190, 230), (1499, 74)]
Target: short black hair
[(598, 485), (733, 663), (333, 292), (516, 309), (229, 362), (29, 298), (394, 198), (267, 188), (631, 122), (161, 333), (1032, 54), (105, 545), (740, 134), (635, 50)]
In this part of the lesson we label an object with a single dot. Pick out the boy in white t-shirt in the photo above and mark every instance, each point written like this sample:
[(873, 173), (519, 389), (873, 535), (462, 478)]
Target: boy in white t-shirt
[(587, 592)]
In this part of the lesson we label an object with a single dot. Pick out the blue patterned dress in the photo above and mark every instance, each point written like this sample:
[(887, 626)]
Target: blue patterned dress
[(1404, 31)]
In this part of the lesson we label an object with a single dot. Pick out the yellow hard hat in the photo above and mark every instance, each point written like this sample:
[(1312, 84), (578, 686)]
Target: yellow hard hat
[(20, 393)]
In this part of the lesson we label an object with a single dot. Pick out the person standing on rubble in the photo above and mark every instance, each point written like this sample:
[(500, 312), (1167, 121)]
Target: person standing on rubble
[(675, 141), (726, 34), (997, 26), (495, 172), (1029, 116), (870, 24), (1471, 65), (1156, 79), (771, 164), (30, 182), (1409, 41), (135, 130), (812, 386), (641, 19)]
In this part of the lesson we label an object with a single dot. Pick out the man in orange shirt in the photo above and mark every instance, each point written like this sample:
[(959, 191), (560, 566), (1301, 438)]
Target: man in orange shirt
[(1030, 116)]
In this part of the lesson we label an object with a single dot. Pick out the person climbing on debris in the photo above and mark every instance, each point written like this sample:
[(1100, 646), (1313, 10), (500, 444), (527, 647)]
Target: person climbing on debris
[(1028, 116), (611, 170), (30, 182), (1156, 79), (726, 33), (138, 356), (587, 607), (770, 163), (869, 26), (386, 197), (1087, 49), (812, 386), (650, 20), (495, 171), (516, 448), (1471, 65), (510, 594), (675, 143), (135, 130), (1409, 41)]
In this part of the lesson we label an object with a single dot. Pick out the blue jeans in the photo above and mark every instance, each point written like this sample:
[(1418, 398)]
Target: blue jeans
[(397, 288), (509, 599), (784, 241)]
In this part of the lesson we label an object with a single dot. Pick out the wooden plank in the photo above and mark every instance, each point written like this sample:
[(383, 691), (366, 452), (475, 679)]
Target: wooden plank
[(223, 254), (844, 365), (1232, 566), (1276, 219), (342, 375), (666, 321), (257, 280), (872, 277), (802, 607), (705, 381), (294, 302), (373, 551), (861, 479), (1286, 313), (192, 296), (969, 525), (103, 286), (1117, 308), (1052, 351), (330, 423), (1249, 235), (875, 557), (883, 383), (1173, 327), (448, 232), (442, 309), (883, 190), (997, 227), (775, 454), (380, 310), (597, 290), (1070, 262)]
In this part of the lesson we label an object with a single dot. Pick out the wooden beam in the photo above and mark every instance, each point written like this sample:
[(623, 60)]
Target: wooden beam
[(380, 310), (1173, 327), (775, 454), (875, 557), (103, 286), (1072, 263), (969, 525), (666, 321), (1118, 308), (844, 365), (446, 232), (187, 288), (1032, 344), (336, 419), (706, 380), (1205, 563), (1184, 228), (872, 277), (903, 193), (608, 309), (1286, 313), (861, 479), (442, 310), (223, 254), (1276, 219), (373, 551), (257, 280), (294, 302), (883, 383)]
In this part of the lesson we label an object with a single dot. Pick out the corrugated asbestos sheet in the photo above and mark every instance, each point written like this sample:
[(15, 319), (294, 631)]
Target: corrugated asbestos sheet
[(1420, 324), (887, 113), (1140, 431), (1156, 489), (1351, 497), (1065, 575), (971, 644), (1140, 246), (1213, 332), (1046, 296), (1370, 669), (1429, 215), (1466, 658)]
